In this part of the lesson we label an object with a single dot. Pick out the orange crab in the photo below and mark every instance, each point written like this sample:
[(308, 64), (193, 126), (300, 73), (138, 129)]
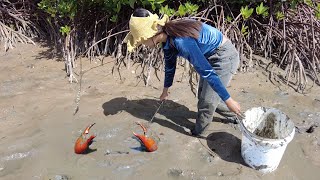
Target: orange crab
[(83, 142), (149, 143)]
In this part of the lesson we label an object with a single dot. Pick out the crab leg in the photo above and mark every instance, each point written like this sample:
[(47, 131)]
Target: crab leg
[(143, 128), (88, 128)]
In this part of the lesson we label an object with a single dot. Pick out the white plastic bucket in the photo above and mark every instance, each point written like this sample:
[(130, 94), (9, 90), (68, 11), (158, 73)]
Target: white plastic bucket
[(260, 153)]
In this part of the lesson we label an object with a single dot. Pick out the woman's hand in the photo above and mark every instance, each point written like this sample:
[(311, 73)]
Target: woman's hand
[(233, 106), (164, 94)]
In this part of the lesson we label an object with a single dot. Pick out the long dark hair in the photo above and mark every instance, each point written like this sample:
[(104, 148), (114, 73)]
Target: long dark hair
[(183, 28), (176, 28)]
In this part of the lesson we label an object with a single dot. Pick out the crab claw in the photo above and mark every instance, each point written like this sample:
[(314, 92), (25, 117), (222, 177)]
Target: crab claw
[(88, 128), (143, 128), (149, 143), (83, 142)]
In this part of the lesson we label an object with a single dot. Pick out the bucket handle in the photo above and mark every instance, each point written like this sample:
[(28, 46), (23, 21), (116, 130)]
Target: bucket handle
[(243, 128)]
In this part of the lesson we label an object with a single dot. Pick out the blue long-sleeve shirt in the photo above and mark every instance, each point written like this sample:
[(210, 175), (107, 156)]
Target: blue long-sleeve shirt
[(196, 51)]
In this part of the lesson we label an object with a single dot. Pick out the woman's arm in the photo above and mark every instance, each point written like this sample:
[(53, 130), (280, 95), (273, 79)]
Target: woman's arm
[(191, 51), (170, 58)]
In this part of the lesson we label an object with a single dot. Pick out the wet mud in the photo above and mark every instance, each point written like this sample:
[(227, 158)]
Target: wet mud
[(268, 129)]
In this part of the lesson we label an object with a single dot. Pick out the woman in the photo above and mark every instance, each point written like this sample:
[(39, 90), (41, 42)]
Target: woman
[(211, 53)]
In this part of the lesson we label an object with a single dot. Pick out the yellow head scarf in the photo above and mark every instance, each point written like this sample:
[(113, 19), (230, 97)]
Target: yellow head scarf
[(142, 28)]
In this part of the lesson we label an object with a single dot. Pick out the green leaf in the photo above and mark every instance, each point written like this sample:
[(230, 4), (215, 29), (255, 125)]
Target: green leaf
[(114, 18), (166, 10), (118, 8), (52, 11), (229, 19), (191, 8), (49, 7), (244, 30), (153, 6), (42, 5), (163, 9), (246, 12), (262, 10), (294, 3), (182, 10), (159, 1), (317, 11), (65, 30), (279, 15), (145, 3), (309, 3), (131, 3)]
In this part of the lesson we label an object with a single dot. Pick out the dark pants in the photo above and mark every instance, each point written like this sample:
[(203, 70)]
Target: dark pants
[(225, 63)]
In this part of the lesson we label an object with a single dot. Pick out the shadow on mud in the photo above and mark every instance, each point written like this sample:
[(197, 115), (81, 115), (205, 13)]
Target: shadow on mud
[(178, 114), (89, 150), (226, 146)]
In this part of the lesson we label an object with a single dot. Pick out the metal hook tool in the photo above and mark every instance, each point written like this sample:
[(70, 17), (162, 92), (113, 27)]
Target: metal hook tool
[(243, 128), (156, 112), (239, 119)]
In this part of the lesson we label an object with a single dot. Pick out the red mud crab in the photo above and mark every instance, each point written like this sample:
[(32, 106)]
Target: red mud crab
[(84, 141), (149, 143)]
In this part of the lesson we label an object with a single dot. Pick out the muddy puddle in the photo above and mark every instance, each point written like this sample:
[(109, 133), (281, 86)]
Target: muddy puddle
[(267, 130)]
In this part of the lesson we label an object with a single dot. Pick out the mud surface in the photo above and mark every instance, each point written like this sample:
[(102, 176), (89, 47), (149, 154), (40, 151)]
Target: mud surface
[(38, 129)]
